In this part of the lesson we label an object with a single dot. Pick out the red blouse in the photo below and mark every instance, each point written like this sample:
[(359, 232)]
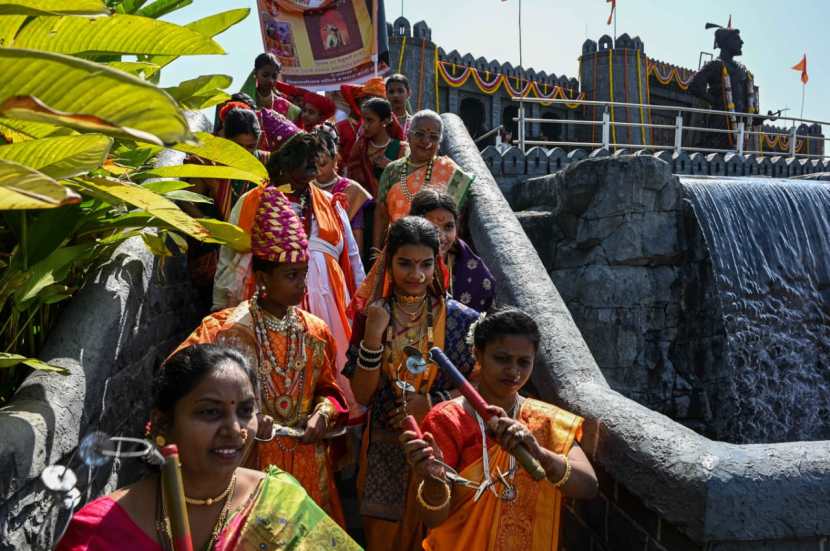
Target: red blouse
[(456, 432), (103, 525)]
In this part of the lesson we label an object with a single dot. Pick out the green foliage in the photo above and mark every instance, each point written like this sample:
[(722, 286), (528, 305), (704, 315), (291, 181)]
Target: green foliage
[(80, 128)]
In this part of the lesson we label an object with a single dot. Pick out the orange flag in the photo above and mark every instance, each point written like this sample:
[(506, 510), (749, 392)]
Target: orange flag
[(613, 7), (802, 66)]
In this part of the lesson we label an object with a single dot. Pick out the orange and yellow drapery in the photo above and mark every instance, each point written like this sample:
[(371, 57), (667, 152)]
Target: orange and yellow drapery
[(490, 83)]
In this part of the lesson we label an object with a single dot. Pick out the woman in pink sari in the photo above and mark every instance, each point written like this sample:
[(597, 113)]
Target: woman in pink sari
[(205, 403)]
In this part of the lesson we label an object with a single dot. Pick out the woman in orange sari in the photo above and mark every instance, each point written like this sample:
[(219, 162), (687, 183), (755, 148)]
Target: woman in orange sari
[(498, 506), (401, 306), (293, 350), (403, 178)]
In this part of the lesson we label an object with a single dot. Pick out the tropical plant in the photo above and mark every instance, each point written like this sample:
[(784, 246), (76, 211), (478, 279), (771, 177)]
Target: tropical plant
[(82, 120)]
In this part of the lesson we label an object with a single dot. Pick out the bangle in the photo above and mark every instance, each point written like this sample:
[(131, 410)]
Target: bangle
[(365, 367), (368, 360), (567, 474), (369, 352), (427, 506)]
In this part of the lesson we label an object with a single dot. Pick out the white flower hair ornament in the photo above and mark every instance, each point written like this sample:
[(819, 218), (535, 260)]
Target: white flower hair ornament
[(471, 332)]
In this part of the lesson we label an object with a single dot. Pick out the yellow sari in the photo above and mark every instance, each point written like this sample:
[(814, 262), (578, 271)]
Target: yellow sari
[(530, 522)]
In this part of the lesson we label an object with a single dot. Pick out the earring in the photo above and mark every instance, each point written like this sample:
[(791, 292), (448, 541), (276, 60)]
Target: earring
[(161, 441), (263, 293)]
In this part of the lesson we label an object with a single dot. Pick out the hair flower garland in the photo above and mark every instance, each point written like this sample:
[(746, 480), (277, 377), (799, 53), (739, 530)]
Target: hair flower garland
[(471, 332)]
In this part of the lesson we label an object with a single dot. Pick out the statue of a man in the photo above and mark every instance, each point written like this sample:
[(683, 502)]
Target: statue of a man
[(726, 85)]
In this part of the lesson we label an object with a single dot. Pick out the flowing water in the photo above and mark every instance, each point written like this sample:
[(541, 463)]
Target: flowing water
[(769, 244)]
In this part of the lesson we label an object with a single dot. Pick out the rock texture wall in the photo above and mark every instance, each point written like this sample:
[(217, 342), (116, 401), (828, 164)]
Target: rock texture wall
[(662, 486), (731, 345), (112, 337)]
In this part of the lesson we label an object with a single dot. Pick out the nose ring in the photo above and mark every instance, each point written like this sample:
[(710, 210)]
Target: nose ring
[(422, 278), (244, 434)]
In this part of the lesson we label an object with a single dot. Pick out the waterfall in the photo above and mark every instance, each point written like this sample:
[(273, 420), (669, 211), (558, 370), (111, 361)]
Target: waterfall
[(769, 247)]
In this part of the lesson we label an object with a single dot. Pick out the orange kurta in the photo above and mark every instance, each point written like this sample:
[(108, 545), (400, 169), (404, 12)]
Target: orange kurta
[(310, 464), (531, 521), (329, 249)]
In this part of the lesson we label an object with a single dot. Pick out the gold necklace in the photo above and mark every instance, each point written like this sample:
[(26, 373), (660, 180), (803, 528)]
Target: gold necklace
[(223, 516), (211, 500)]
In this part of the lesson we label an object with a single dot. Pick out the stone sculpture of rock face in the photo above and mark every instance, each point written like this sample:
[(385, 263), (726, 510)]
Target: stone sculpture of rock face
[(643, 263)]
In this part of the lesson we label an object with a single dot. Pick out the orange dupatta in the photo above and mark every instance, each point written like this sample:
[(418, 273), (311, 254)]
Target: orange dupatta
[(531, 521), (330, 229)]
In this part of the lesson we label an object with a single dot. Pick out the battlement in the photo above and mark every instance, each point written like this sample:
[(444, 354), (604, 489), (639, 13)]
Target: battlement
[(401, 29), (605, 42)]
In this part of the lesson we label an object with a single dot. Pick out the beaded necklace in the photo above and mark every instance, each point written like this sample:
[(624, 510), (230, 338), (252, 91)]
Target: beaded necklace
[(293, 373), (405, 173)]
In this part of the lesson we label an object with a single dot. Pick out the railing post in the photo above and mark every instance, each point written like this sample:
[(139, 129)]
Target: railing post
[(522, 126), (793, 134), (606, 129), (678, 133), (739, 146)]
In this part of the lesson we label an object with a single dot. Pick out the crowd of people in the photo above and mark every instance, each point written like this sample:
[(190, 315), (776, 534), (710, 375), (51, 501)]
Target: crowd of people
[(293, 391)]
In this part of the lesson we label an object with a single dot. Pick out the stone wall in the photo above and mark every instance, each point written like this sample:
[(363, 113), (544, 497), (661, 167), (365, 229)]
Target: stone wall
[(662, 486), (512, 167), (626, 251), (111, 337)]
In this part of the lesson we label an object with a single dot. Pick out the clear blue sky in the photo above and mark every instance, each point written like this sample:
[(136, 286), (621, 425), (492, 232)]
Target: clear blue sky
[(776, 34)]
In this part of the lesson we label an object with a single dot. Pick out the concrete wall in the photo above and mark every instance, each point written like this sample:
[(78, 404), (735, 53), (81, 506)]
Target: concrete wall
[(111, 337), (689, 492)]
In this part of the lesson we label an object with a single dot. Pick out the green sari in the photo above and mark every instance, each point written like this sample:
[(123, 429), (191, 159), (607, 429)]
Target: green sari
[(283, 517)]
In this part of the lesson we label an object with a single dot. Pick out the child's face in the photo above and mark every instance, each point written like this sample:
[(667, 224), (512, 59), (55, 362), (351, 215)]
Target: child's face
[(285, 284), (372, 124), (311, 116), (397, 94), (266, 77), (506, 364)]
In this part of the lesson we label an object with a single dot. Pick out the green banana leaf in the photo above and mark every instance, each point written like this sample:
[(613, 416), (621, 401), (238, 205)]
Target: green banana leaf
[(223, 151), (136, 68), (203, 171), (22, 187), (166, 186), (51, 270), (201, 92), (160, 8), (40, 7), (209, 26), (60, 157), (58, 89), (9, 25), (228, 234), (15, 130), (149, 201), (117, 34), (10, 360)]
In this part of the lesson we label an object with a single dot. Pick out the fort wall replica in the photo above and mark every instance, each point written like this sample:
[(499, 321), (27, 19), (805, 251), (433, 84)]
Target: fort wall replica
[(682, 299), (480, 91), (663, 485)]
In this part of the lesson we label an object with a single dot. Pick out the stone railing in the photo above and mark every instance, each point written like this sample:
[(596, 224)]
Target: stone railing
[(540, 161), (111, 337), (662, 485)]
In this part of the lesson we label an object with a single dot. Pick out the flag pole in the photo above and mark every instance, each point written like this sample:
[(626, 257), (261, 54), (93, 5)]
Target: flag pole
[(521, 63), (375, 42), (803, 94), (615, 25)]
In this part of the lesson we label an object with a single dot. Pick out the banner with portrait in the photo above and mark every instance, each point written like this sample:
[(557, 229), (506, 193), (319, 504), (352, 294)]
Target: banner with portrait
[(325, 43)]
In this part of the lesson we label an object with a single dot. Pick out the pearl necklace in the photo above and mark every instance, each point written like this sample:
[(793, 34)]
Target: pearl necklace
[(293, 374), (382, 146), (405, 173), (328, 185)]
